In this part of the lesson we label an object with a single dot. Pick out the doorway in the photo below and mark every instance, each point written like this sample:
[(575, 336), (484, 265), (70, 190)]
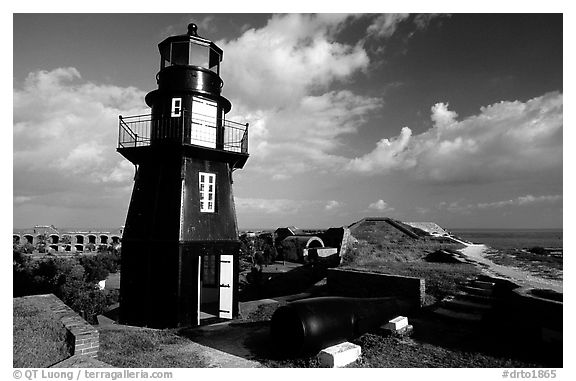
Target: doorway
[(215, 286)]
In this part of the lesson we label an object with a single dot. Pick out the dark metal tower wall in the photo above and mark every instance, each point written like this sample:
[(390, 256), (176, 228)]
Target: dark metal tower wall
[(169, 232)]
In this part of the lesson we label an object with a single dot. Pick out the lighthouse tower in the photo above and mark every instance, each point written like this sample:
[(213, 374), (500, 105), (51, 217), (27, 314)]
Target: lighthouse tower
[(180, 244)]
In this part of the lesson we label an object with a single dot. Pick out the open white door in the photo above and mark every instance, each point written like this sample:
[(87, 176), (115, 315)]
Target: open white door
[(199, 288), (226, 286)]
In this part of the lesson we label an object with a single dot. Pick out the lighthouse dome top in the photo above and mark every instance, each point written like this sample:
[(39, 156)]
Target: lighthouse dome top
[(190, 49)]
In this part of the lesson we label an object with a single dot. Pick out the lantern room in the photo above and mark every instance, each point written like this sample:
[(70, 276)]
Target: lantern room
[(187, 108), (190, 49)]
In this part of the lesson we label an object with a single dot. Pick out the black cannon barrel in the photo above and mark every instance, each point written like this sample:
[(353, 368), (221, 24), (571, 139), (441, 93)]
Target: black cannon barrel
[(309, 325)]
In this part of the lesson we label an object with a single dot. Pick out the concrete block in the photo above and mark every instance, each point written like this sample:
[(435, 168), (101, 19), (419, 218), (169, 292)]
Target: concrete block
[(339, 355), (397, 324)]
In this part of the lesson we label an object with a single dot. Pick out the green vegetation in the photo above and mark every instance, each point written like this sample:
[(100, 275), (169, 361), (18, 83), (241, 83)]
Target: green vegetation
[(392, 352), (39, 337), (406, 257), (258, 250), (145, 348), (70, 279)]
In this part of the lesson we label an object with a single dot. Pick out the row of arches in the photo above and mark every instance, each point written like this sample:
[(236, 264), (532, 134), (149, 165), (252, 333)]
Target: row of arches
[(67, 239)]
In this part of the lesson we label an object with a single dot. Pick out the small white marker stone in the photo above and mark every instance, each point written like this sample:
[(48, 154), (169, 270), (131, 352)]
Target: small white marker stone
[(397, 324), (339, 355)]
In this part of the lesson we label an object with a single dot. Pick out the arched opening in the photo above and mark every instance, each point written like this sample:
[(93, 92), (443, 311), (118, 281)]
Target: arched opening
[(104, 239), (55, 239), (79, 239), (92, 238), (29, 239), (314, 242), (79, 247), (115, 240), (68, 248), (15, 239)]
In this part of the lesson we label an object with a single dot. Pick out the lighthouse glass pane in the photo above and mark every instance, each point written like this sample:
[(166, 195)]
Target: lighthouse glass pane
[(199, 55), (204, 178), (179, 53), (204, 118), (214, 61)]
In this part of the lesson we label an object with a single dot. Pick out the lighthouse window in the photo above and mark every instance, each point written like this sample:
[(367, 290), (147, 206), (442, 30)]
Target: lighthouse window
[(198, 55), (207, 182), (176, 108)]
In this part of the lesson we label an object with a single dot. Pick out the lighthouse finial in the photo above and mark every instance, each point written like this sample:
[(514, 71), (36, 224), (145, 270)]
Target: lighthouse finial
[(192, 29)]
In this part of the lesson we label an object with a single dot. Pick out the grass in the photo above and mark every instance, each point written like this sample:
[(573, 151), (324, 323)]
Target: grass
[(434, 343), (407, 258), (39, 337), (126, 347), (393, 352)]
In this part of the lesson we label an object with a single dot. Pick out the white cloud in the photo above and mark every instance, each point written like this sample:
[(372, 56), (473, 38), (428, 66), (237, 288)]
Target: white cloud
[(274, 66), (387, 155), (21, 199), (520, 201), (280, 83), (505, 140), (381, 206), (332, 204), (65, 134)]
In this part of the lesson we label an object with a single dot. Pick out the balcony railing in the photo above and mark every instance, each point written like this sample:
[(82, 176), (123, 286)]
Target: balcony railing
[(189, 129)]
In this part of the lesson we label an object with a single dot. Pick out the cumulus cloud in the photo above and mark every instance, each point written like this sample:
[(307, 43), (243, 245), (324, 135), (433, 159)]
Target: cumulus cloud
[(504, 140), (65, 133), (281, 82), (380, 206), (276, 65)]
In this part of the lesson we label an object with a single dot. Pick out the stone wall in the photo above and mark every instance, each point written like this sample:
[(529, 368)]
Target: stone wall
[(354, 283)]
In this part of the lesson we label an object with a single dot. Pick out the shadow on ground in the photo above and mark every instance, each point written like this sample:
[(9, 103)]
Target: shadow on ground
[(249, 340)]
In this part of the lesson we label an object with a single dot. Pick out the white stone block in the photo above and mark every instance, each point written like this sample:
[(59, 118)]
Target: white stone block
[(397, 323), (339, 355)]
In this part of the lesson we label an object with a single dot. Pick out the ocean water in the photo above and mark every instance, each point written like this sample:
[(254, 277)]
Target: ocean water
[(512, 238)]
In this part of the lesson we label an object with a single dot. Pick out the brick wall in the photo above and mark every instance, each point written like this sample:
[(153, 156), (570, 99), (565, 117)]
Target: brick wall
[(83, 337), (355, 283)]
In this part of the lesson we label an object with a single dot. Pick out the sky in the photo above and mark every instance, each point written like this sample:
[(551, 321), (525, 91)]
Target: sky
[(450, 118)]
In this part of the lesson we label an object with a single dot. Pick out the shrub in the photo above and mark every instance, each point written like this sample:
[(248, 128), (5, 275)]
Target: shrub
[(64, 277), (94, 267), (24, 248), (110, 260), (538, 250)]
